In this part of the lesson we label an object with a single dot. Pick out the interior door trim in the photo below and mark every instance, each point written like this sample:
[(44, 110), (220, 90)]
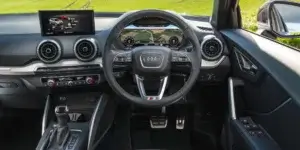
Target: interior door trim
[(232, 83), (268, 54), (272, 111), (231, 99)]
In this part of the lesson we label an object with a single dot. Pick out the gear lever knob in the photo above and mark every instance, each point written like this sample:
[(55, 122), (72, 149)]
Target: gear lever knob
[(62, 116)]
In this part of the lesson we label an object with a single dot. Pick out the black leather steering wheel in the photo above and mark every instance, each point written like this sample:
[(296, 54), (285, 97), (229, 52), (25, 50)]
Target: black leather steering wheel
[(151, 60)]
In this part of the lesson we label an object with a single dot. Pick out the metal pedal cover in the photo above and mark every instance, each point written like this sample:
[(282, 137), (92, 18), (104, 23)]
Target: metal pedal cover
[(180, 123), (158, 122)]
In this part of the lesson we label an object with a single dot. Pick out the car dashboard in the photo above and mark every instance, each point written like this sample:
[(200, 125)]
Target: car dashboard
[(34, 56)]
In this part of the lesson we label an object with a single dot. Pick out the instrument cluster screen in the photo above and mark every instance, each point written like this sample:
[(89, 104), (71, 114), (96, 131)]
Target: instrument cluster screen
[(170, 36), (67, 22)]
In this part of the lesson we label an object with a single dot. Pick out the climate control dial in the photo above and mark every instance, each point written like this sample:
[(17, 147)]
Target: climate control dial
[(90, 80), (51, 83), (70, 81)]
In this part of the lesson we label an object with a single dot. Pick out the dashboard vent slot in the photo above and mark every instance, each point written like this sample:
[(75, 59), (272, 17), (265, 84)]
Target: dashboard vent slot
[(211, 48), (85, 49), (67, 69), (205, 29), (49, 51)]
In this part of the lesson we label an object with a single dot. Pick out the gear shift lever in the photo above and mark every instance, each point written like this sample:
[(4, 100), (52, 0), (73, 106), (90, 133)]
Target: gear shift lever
[(61, 113), (61, 132)]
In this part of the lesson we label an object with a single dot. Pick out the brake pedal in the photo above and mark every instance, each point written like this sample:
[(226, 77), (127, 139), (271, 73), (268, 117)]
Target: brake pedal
[(158, 122), (180, 123)]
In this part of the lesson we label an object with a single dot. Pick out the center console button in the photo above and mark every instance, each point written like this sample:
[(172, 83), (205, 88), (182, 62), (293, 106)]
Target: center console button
[(70, 83)]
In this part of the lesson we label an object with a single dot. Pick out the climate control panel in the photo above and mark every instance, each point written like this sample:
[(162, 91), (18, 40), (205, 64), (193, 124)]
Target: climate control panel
[(70, 81)]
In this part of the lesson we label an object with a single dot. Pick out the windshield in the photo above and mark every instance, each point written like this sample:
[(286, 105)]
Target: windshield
[(189, 7)]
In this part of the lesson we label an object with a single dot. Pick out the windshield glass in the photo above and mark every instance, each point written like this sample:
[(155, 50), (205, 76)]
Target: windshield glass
[(189, 7)]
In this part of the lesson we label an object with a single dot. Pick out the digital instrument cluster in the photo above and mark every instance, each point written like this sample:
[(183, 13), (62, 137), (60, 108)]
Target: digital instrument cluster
[(133, 36), (67, 22)]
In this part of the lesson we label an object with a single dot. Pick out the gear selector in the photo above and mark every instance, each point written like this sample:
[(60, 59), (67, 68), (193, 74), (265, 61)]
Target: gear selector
[(60, 133), (61, 113)]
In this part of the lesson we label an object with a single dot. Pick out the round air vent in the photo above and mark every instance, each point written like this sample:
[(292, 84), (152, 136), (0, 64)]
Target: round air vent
[(49, 51), (85, 49), (211, 47)]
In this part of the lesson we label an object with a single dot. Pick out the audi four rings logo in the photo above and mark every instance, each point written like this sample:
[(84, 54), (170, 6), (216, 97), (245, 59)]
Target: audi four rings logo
[(151, 59)]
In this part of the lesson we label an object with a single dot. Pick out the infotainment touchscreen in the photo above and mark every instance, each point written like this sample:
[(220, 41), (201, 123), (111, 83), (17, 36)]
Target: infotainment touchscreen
[(67, 22)]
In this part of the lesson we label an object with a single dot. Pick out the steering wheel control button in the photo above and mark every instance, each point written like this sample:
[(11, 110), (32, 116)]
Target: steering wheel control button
[(180, 57), (123, 58)]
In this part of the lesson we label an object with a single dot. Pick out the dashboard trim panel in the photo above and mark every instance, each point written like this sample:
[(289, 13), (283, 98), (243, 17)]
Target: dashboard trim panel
[(212, 64), (32, 68)]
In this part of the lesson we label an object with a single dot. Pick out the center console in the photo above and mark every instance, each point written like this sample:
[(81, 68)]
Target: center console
[(76, 121), (70, 81), (63, 135)]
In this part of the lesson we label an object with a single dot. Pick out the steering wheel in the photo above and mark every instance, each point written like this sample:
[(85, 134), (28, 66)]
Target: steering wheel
[(154, 61)]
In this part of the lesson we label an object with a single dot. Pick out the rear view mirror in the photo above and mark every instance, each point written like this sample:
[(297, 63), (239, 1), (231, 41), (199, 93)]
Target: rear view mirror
[(284, 18)]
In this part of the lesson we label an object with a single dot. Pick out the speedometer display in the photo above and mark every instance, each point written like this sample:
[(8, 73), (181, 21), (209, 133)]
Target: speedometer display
[(163, 36)]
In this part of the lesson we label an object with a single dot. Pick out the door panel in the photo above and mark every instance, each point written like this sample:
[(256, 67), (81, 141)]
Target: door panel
[(283, 124), (270, 98), (253, 141)]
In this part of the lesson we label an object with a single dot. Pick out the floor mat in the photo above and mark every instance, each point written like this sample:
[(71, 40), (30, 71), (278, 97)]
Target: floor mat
[(20, 133), (169, 139), (134, 133)]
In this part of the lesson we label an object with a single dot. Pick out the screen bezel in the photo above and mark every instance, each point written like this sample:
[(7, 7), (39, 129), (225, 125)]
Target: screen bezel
[(58, 12)]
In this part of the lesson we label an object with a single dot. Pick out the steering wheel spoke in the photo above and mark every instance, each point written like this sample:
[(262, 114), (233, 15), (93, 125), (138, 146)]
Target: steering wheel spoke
[(142, 91)]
